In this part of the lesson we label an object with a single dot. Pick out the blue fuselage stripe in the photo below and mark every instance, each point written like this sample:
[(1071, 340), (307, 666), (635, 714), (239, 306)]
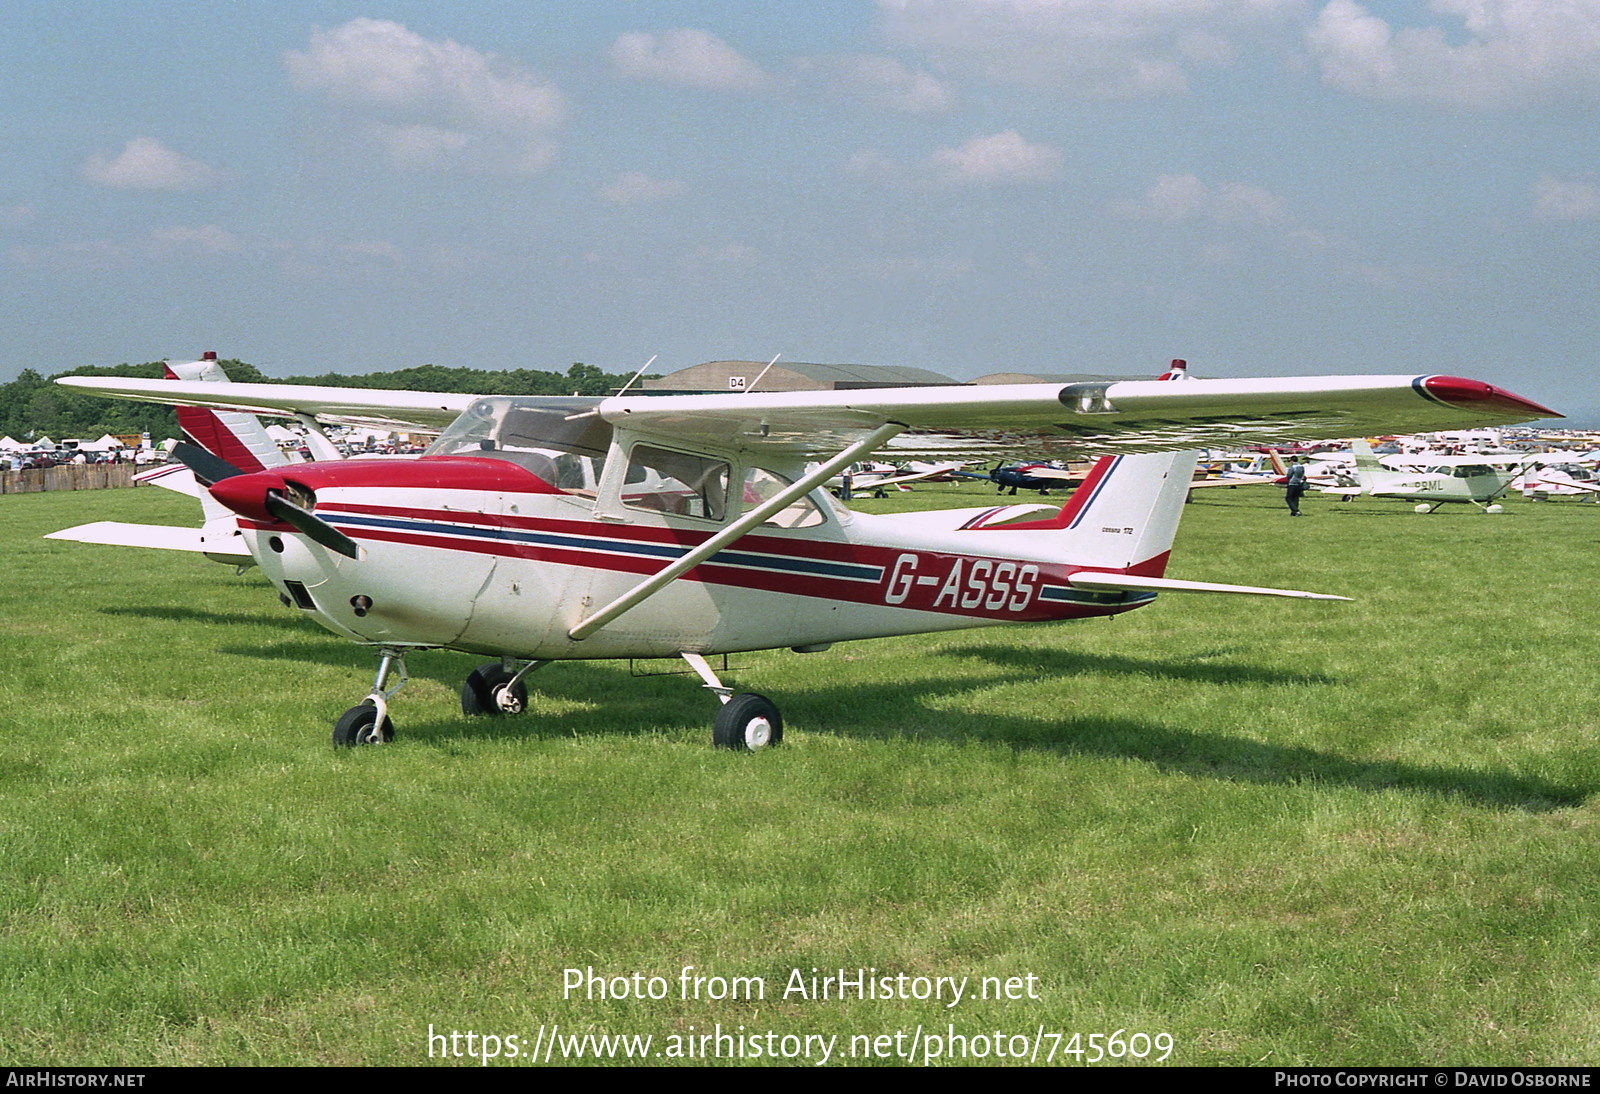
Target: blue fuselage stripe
[(786, 563), (1098, 487)]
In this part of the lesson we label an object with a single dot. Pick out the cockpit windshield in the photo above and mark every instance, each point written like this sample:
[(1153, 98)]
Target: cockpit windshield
[(562, 440)]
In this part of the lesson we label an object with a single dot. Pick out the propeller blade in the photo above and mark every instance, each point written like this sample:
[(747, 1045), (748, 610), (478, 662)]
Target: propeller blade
[(311, 524), (207, 468)]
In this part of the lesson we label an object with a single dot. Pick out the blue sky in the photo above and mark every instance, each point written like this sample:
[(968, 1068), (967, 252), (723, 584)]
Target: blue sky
[(1262, 186)]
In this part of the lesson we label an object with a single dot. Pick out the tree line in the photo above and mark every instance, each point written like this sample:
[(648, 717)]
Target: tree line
[(33, 406)]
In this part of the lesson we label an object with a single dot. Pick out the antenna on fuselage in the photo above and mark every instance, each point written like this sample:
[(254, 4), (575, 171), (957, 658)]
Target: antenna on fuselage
[(638, 374), (764, 371)]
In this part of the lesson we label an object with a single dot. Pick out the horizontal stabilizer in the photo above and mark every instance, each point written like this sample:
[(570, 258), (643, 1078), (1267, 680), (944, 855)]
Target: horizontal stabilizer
[(170, 476), (116, 533), (1085, 579)]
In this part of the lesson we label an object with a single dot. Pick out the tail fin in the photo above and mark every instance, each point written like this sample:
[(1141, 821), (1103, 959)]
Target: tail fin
[(1126, 517), (239, 438), (1125, 514), (1367, 465)]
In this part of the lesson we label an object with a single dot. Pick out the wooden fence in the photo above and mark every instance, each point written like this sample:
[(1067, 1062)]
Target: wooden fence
[(88, 476)]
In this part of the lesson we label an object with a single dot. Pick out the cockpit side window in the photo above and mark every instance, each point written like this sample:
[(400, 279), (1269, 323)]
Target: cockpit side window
[(676, 482)]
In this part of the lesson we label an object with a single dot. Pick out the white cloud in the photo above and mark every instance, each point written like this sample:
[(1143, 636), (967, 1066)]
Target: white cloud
[(361, 250), (1095, 47), (1563, 199), (433, 104), (1000, 159), (320, 257), (869, 163), (905, 267), (209, 238), (422, 146), (886, 83), (1512, 51), (737, 255), (72, 256), (1241, 203), (1171, 198), (182, 244), (692, 58), (635, 187), (1174, 198), (147, 164)]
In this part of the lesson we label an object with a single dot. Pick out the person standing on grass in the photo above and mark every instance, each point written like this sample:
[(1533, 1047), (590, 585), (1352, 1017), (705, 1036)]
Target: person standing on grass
[(1294, 485)]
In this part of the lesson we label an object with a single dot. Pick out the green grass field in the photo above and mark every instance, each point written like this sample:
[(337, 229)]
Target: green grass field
[(1281, 832)]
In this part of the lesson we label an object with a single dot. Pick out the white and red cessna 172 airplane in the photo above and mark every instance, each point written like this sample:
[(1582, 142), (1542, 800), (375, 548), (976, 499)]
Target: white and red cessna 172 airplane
[(540, 529)]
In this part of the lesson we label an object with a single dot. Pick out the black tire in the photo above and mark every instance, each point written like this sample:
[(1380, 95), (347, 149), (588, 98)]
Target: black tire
[(356, 727), (478, 692), (747, 722)]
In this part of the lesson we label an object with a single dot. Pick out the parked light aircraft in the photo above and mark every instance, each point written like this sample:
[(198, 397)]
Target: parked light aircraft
[(1034, 475), (1538, 482), (876, 477), (1445, 479), (539, 529)]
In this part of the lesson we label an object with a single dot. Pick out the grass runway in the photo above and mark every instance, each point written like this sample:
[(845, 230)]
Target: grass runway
[(1282, 832)]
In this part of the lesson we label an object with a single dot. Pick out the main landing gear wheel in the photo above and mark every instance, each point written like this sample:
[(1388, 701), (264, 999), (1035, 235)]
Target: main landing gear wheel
[(359, 726), (747, 722), (486, 692)]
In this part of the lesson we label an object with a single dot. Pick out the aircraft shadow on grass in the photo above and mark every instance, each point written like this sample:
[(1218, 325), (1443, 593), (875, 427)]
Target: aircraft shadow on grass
[(1068, 663), (209, 618), (1169, 748), (648, 703)]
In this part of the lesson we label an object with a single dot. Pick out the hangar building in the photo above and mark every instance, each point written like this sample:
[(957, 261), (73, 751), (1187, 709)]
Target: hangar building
[(1043, 378), (725, 376)]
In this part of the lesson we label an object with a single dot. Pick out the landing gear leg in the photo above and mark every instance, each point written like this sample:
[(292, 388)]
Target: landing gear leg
[(367, 723), (497, 688), (746, 721)]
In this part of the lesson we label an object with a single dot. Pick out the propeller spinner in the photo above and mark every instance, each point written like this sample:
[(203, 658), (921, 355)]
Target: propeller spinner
[(263, 495)]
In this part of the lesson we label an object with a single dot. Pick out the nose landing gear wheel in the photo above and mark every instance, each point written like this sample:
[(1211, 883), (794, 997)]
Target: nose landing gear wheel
[(747, 722), (486, 692), (359, 726)]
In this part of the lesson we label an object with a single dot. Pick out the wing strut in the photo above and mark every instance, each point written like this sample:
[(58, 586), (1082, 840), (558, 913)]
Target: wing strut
[(804, 485)]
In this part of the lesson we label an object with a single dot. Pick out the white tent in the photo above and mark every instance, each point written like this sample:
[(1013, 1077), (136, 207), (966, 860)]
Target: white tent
[(9, 445)]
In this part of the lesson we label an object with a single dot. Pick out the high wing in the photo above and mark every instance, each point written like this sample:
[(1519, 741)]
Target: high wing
[(1125, 416), (348, 405)]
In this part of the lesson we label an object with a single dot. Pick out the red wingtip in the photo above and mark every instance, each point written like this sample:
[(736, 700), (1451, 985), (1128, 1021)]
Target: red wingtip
[(1477, 395)]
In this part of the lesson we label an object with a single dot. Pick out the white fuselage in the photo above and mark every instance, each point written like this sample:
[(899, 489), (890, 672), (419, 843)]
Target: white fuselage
[(510, 573)]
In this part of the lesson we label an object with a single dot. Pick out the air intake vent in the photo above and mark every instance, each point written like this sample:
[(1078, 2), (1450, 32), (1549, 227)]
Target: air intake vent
[(302, 598)]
